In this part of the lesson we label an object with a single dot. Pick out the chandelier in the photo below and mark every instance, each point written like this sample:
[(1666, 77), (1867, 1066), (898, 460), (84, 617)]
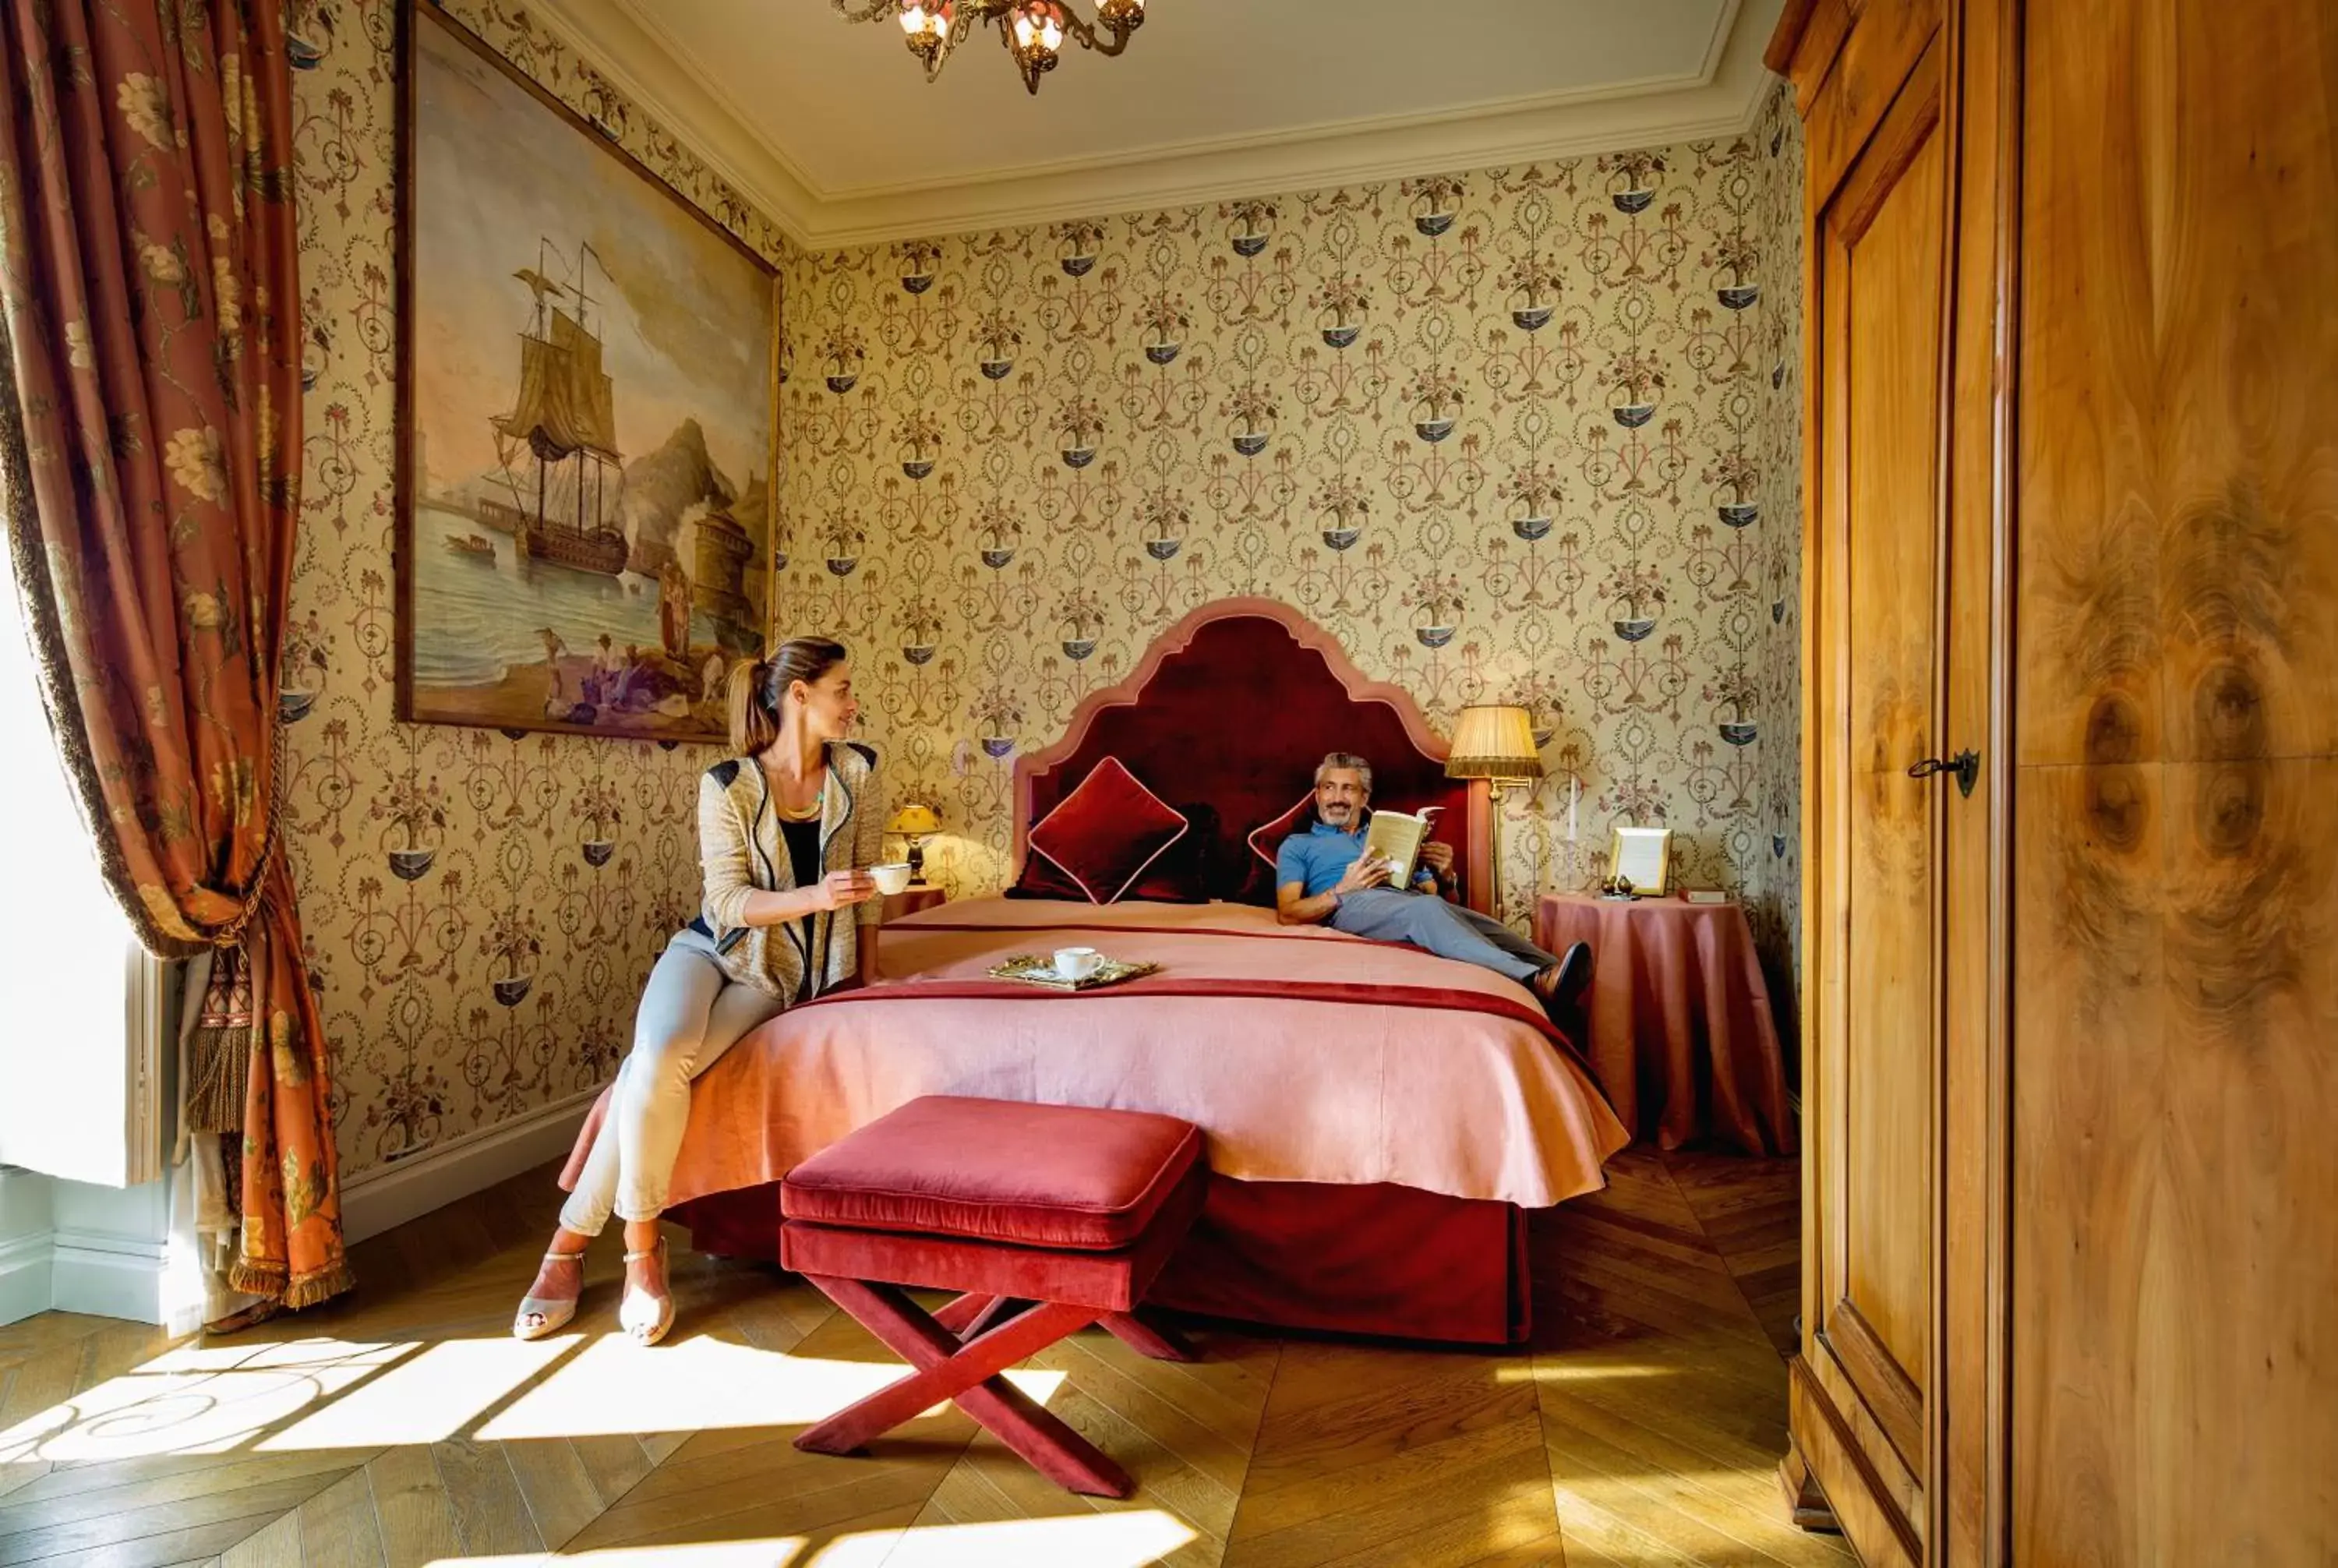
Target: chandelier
[(1032, 30)]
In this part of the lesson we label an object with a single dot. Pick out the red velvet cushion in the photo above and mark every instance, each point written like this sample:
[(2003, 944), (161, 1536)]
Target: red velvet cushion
[(1265, 842), (1183, 875), (1104, 833), (998, 1171)]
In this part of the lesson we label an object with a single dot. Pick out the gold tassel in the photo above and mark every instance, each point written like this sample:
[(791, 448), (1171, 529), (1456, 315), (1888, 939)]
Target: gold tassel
[(308, 1290), (219, 1064)]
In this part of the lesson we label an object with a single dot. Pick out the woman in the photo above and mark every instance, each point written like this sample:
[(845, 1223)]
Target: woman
[(787, 831)]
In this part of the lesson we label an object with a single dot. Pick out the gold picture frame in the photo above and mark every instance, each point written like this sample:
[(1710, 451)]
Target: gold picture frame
[(587, 439), (1644, 855)]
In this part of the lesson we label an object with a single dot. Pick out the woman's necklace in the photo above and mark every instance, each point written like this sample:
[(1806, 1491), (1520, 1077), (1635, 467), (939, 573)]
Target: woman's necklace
[(804, 813)]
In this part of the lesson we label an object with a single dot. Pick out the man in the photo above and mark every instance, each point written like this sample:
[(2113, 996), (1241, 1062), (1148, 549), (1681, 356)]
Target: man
[(1323, 876)]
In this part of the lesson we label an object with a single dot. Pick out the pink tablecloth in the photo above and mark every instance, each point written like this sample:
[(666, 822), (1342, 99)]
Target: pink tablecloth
[(1680, 1032)]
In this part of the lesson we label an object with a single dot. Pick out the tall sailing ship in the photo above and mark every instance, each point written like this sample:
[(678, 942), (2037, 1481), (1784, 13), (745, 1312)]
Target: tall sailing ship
[(558, 446)]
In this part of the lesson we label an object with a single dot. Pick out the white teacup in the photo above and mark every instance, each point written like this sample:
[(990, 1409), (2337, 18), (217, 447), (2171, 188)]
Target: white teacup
[(892, 876), (1077, 962)]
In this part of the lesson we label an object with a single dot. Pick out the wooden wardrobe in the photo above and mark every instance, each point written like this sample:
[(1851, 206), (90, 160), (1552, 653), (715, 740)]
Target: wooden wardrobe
[(2071, 812)]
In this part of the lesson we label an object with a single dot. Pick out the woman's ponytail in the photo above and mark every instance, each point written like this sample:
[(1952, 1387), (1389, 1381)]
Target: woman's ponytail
[(758, 685), (754, 724)]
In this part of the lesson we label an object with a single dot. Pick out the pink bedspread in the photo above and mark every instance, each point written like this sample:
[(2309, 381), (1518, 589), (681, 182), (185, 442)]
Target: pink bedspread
[(1303, 1053)]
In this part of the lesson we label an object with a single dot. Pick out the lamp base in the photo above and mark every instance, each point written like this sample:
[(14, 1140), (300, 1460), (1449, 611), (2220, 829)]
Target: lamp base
[(917, 864)]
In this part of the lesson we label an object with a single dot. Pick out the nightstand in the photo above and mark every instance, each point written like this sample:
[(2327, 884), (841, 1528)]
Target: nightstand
[(910, 900), (1677, 1019)]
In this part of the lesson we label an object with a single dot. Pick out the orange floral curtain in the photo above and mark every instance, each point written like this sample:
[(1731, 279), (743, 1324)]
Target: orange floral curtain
[(148, 312)]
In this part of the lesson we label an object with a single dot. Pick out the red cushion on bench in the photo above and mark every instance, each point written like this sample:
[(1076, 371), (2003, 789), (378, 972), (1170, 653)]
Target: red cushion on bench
[(1002, 1170)]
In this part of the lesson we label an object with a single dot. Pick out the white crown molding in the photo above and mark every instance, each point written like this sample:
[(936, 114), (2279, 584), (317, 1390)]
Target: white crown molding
[(626, 42), (611, 40)]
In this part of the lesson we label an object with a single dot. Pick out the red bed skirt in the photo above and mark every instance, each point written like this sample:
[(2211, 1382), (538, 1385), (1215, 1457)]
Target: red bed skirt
[(1381, 1260)]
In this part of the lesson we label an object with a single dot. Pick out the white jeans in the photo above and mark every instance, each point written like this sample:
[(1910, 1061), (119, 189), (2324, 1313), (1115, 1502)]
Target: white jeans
[(690, 1015)]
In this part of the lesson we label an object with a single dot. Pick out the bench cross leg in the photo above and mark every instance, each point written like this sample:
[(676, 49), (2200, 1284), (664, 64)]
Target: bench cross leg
[(966, 1373)]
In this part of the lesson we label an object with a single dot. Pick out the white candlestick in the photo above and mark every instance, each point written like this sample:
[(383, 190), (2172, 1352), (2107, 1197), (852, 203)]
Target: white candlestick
[(1574, 794)]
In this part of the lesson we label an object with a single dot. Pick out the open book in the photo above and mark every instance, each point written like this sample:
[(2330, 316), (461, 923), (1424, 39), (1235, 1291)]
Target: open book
[(1396, 837)]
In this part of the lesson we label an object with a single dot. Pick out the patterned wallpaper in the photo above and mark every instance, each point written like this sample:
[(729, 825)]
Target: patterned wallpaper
[(1527, 433), (481, 911), (1523, 435)]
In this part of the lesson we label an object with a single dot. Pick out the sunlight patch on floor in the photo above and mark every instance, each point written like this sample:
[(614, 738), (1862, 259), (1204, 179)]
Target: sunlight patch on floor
[(310, 1394), (696, 1385), (1577, 1372), (1116, 1540), (771, 1552), (426, 1398), (194, 1400)]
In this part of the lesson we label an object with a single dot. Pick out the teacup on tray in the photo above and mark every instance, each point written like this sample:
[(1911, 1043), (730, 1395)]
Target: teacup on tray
[(1077, 962)]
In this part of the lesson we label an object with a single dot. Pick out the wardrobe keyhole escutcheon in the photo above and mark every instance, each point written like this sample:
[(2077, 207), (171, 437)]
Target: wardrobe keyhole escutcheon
[(1965, 765)]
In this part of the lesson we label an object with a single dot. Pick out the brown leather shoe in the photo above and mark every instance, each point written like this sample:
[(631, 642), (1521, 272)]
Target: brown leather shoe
[(1561, 986)]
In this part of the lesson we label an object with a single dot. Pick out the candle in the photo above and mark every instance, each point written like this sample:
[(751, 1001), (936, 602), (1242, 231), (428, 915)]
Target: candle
[(1574, 794)]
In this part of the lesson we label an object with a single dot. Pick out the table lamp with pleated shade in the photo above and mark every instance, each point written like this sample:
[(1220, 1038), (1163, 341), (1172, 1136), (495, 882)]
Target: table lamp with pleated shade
[(1494, 742), (913, 822)]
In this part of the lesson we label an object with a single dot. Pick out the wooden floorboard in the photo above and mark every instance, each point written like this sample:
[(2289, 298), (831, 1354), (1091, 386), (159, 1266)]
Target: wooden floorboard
[(1642, 1425)]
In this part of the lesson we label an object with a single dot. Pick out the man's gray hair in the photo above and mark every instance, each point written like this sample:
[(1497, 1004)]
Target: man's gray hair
[(1349, 761)]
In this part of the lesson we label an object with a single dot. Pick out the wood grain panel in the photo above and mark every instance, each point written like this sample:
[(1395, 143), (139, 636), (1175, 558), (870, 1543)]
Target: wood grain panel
[(1874, 1529), (1889, 290), (1966, 1491), (1866, 77), (2175, 1293)]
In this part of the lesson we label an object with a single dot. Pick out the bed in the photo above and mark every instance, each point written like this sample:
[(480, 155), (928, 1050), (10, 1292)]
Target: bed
[(1378, 1119)]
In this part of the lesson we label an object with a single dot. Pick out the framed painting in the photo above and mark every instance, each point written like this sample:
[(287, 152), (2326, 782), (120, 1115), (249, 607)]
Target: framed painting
[(587, 418)]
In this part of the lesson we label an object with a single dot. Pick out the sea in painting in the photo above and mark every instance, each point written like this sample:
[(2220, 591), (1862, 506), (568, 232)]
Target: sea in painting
[(587, 515)]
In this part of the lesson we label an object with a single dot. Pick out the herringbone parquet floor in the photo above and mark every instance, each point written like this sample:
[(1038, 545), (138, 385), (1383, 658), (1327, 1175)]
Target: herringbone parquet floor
[(405, 1428)]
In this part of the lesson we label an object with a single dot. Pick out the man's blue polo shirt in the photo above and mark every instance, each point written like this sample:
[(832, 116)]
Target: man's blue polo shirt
[(1317, 858)]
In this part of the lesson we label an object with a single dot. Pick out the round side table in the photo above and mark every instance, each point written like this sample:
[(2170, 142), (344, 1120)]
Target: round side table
[(1677, 1019)]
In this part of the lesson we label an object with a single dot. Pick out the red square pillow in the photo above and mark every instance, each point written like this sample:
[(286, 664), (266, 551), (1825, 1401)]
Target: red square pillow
[(1266, 841), (1104, 834), (1181, 876)]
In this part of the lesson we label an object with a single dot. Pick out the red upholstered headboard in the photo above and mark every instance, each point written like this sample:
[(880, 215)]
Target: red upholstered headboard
[(1235, 706)]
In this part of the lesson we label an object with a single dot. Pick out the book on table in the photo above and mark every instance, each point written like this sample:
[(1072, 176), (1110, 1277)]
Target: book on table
[(1396, 837)]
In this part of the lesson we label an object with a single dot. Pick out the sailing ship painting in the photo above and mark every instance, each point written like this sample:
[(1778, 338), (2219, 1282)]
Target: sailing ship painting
[(585, 362)]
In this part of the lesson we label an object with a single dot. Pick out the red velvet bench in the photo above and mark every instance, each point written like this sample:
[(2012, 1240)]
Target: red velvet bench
[(1069, 1210)]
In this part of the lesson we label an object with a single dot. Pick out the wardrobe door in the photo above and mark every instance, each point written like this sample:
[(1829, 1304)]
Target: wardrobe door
[(2173, 1313), (1876, 555)]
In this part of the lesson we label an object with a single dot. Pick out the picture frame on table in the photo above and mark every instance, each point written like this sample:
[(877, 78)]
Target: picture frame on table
[(1642, 857)]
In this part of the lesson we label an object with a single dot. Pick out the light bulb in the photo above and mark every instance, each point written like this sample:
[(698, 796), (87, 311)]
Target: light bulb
[(913, 19)]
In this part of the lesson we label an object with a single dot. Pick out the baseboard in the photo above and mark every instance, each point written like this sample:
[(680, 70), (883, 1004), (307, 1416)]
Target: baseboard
[(26, 1273), (104, 1275), (380, 1200)]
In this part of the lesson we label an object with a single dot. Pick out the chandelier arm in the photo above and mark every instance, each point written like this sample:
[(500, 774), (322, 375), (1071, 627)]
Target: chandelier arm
[(872, 10), (1024, 68), (1108, 40), (940, 56)]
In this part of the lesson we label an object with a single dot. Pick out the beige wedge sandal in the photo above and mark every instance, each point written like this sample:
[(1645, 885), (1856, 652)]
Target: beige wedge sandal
[(645, 1317), (553, 1314)]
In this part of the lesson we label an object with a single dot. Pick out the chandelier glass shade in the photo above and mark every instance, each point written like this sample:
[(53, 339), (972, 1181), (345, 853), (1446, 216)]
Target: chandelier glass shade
[(1034, 31)]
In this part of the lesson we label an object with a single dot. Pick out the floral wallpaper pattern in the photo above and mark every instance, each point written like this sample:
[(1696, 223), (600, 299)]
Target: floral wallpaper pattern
[(1524, 435), (481, 911), (1527, 433)]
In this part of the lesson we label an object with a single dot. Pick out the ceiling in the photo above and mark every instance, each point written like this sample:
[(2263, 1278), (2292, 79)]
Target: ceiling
[(833, 129)]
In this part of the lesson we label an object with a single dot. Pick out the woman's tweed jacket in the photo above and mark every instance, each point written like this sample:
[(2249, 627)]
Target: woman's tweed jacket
[(740, 851)]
